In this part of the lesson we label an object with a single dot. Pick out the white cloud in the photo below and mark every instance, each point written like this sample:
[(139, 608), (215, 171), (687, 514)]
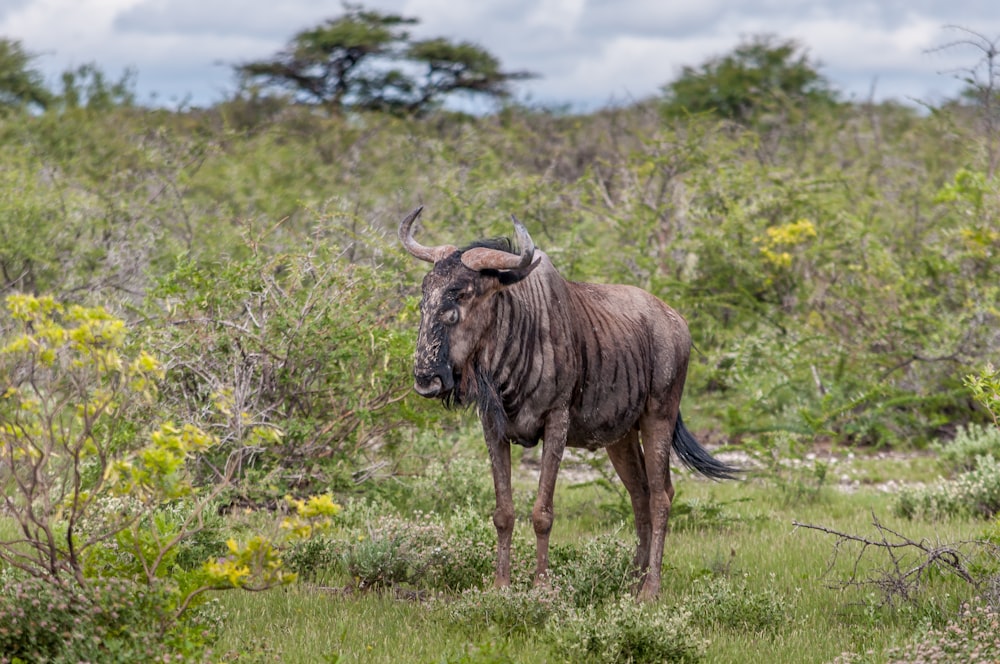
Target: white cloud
[(197, 18)]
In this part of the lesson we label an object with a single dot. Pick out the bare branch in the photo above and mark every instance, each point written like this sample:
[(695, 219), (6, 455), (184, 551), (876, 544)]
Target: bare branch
[(909, 561)]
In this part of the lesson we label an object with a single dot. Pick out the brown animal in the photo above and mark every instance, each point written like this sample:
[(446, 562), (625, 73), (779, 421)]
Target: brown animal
[(583, 365)]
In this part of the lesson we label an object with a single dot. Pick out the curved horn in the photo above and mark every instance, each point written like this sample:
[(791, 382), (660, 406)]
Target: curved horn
[(482, 258), (429, 254)]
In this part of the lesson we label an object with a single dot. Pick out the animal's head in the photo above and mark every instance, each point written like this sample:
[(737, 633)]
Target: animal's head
[(454, 311)]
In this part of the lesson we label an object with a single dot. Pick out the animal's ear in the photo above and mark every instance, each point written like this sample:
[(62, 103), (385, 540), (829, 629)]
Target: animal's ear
[(510, 277)]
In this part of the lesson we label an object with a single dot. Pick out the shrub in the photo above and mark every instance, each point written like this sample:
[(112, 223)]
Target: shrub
[(383, 560), (624, 631), (969, 442), (428, 552), (310, 559), (504, 610), (973, 637), (116, 621), (731, 603), (985, 389), (975, 493), (589, 574), (272, 341), (101, 492)]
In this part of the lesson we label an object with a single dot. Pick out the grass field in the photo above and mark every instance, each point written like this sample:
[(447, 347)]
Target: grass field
[(741, 531)]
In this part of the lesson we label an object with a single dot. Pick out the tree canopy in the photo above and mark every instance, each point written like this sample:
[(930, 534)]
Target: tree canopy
[(367, 60), (21, 86), (762, 73)]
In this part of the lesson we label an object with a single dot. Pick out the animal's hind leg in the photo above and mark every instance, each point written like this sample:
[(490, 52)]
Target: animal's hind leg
[(657, 434), (626, 457)]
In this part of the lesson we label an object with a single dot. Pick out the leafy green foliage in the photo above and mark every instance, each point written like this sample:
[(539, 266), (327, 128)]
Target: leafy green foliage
[(21, 86), (969, 443), (985, 389), (762, 74), (427, 552), (332, 62), (504, 611), (101, 491), (115, 621), (292, 357), (457, 68), (972, 493), (973, 637), (442, 485), (624, 631), (88, 87), (593, 572)]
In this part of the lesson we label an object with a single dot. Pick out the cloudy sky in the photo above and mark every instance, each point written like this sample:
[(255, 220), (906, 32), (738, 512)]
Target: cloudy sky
[(589, 53)]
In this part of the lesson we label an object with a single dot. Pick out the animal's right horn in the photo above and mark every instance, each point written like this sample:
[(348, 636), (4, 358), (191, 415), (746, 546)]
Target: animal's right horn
[(482, 258), (429, 254)]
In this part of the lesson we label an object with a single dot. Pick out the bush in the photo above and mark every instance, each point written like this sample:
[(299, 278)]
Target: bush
[(428, 552), (624, 631), (311, 559), (731, 603), (304, 342), (504, 610), (594, 572), (985, 389), (971, 638), (975, 493), (969, 442), (115, 621), (101, 492)]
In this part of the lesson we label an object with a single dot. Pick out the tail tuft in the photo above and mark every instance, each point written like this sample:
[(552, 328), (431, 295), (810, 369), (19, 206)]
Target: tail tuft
[(697, 458)]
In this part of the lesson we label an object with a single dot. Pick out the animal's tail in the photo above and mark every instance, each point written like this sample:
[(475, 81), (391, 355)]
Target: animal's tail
[(697, 458)]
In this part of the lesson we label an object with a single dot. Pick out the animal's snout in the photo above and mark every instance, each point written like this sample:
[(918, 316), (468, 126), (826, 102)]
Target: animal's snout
[(428, 386), (433, 381)]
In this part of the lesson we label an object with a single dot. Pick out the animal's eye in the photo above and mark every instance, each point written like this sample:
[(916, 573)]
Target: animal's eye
[(449, 316)]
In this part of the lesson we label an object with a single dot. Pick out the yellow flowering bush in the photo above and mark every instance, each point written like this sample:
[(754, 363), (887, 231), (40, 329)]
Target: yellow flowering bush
[(778, 241), (101, 489)]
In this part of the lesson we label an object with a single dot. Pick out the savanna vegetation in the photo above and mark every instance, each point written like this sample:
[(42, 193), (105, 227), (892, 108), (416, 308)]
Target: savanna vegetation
[(208, 324)]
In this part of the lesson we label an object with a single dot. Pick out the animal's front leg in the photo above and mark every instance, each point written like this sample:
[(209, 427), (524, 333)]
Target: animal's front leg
[(542, 515), (503, 516)]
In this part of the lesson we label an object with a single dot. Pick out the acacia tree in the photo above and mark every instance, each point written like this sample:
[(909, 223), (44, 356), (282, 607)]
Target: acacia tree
[(366, 60), (760, 74), (462, 67)]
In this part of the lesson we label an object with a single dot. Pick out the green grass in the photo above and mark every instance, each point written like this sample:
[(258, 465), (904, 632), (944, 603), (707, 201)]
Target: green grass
[(748, 533)]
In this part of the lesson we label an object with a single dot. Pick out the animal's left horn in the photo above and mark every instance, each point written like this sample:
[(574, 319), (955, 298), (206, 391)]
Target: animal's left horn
[(429, 254), (482, 258)]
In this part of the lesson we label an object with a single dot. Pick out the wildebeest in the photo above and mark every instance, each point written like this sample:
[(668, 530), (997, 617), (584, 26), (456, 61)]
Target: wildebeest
[(577, 364)]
